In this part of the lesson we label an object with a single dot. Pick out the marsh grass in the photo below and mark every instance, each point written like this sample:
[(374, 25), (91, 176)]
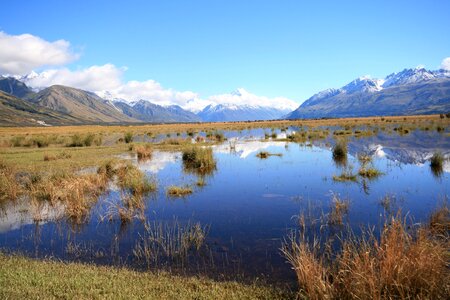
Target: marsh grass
[(265, 154), (346, 175), (10, 189), (163, 242), (339, 208), (340, 152), (133, 181), (178, 191), (143, 151), (369, 172), (437, 164), (215, 136), (76, 193), (440, 221), (86, 140), (199, 160), (403, 262)]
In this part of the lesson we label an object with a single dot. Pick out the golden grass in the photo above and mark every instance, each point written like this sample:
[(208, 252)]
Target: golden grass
[(178, 191), (143, 151), (134, 181), (370, 173), (199, 160), (400, 264)]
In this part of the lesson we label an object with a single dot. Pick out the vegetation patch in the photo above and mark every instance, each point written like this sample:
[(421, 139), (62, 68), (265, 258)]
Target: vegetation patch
[(178, 191), (199, 160), (265, 154)]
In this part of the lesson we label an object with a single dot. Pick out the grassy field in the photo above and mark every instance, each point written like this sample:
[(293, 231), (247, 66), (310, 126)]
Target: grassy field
[(24, 278)]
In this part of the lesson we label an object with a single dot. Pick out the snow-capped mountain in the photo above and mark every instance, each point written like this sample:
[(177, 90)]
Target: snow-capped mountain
[(411, 91), (408, 76), (232, 112), (149, 112)]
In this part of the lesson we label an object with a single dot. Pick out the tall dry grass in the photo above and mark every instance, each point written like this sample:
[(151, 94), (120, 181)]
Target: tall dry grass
[(400, 263)]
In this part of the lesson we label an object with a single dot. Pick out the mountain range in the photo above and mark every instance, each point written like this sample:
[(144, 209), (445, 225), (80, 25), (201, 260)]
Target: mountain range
[(411, 91)]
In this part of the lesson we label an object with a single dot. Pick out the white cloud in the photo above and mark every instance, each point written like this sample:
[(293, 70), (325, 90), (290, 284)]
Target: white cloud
[(20, 54), (94, 78), (446, 64)]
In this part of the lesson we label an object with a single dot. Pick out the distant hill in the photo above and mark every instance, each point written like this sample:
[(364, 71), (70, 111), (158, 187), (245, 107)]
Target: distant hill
[(411, 91), (231, 112), (15, 87), (149, 112), (83, 105), (18, 112)]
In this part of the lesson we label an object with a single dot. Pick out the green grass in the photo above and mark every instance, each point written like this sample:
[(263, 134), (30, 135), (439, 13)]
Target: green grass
[(24, 278)]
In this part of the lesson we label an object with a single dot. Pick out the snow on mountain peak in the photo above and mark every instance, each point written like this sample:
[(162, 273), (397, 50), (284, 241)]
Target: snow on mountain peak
[(408, 76)]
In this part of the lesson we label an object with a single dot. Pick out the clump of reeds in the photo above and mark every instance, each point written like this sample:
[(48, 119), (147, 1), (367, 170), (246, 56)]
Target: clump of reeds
[(340, 152), (162, 242), (265, 154), (440, 221), (77, 193), (346, 175), (215, 136), (339, 209), (134, 181), (86, 140), (437, 164), (397, 264), (143, 151), (199, 160), (128, 137), (178, 191), (9, 187), (369, 173), (175, 141)]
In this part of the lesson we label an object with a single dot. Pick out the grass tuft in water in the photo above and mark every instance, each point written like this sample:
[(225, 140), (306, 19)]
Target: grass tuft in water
[(178, 191), (199, 160)]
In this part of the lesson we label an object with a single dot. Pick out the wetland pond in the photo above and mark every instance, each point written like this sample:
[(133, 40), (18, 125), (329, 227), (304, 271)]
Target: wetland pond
[(236, 217)]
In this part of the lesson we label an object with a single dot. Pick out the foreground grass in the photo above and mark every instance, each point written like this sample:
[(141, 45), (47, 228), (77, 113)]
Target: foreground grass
[(24, 278)]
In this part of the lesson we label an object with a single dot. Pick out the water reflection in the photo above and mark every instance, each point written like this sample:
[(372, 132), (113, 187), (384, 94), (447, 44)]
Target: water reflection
[(248, 205)]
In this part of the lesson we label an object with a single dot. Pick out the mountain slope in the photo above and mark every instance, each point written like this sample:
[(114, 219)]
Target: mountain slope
[(80, 104), (412, 91), (15, 87), (231, 112), (149, 112), (18, 112)]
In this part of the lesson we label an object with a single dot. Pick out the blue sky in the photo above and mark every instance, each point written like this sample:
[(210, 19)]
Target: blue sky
[(291, 49)]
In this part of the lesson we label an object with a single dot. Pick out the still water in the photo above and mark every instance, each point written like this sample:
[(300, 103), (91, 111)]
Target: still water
[(247, 207)]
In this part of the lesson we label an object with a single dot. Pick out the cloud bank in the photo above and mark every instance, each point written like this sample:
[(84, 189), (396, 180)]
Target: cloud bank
[(20, 54)]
